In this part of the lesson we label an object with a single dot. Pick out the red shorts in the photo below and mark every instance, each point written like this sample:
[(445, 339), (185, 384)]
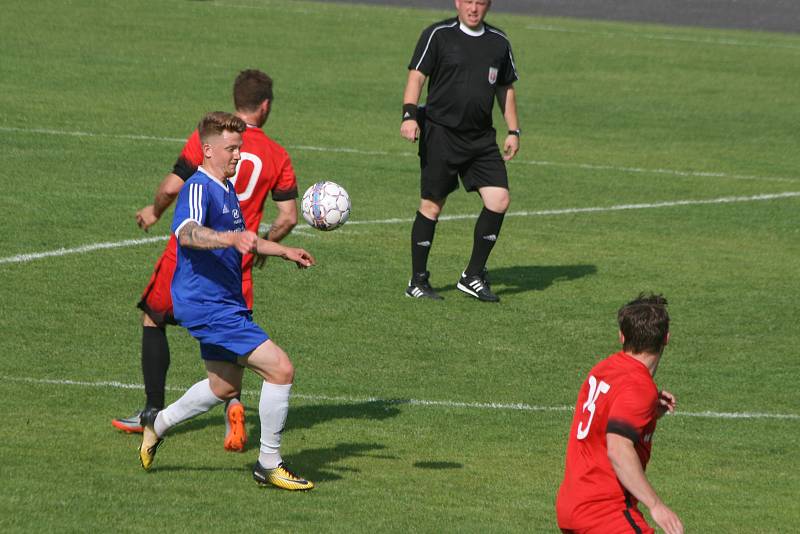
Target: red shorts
[(156, 299), (623, 521)]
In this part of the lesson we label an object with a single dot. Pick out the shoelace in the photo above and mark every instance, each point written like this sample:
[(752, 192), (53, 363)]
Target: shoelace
[(289, 471)]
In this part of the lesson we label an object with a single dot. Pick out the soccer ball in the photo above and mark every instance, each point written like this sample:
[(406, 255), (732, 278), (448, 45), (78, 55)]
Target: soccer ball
[(325, 205)]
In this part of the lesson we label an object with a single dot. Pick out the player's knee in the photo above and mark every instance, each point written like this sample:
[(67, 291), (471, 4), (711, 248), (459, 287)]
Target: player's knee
[(283, 373), (505, 202), (430, 209), (223, 390), (498, 203), (148, 321)]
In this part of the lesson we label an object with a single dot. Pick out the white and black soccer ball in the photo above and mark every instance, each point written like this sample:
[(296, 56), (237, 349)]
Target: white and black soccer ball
[(325, 205)]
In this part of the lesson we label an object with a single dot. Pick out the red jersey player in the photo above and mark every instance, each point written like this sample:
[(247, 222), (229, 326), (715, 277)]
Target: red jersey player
[(612, 430), (264, 167)]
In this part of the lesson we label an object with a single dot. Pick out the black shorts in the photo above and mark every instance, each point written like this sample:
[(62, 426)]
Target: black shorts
[(445, 156)]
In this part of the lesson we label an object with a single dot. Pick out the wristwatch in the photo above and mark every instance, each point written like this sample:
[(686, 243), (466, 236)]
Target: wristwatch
[(514, 132)]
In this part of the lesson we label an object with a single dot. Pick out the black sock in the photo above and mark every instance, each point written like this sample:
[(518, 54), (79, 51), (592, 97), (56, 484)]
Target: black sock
[(421, 240), (487, 229), (155, 362)]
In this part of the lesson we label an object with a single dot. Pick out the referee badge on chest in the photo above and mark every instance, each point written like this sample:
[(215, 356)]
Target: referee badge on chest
[(492, 75)]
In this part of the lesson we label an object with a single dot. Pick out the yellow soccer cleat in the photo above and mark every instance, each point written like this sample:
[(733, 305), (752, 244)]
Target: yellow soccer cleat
[(150, 441), (281, 477)]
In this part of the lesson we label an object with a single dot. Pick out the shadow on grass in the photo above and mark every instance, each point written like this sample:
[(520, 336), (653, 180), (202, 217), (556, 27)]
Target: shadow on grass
[(306, 416), (438, 465), (300, 417), (319, 464), (184, 468), (521, 278)]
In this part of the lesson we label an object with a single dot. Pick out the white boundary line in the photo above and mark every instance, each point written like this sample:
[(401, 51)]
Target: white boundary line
[(517, 406), (21, 258), (600, 209), (669, 172), (359, 152), (722, 41)]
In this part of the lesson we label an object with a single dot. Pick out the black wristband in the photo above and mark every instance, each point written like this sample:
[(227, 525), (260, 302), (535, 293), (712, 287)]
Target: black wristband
[(409, 112), (514, 132)]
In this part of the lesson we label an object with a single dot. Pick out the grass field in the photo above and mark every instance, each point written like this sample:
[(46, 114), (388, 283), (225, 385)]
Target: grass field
[(653, 159)]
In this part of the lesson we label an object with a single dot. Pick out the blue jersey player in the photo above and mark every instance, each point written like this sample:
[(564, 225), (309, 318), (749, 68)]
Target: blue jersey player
[(208, 302)]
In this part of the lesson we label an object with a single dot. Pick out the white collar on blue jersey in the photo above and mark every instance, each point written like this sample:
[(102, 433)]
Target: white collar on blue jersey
[(474, 33), (217, 180)]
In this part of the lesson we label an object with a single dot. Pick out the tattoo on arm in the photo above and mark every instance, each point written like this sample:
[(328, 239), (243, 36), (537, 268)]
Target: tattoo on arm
[(278, 231), (193, 235)]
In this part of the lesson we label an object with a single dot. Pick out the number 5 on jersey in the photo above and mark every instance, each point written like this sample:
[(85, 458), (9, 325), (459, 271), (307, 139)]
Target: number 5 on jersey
[(595, 390)]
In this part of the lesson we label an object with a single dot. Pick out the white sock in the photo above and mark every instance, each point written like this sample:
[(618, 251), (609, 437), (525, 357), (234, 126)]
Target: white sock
[(272, 409), (198, 399)]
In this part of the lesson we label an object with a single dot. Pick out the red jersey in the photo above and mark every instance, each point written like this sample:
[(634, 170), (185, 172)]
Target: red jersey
[(265, 166), (620, 397)]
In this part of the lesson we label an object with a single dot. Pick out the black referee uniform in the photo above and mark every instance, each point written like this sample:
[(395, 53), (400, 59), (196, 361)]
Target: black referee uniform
[(457, 137), (464, 67)]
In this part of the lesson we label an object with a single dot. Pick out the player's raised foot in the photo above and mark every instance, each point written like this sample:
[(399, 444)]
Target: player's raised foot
[(131, 425), (419, 287), (477, 286), (281, 477), (235, 431), (150, 440)]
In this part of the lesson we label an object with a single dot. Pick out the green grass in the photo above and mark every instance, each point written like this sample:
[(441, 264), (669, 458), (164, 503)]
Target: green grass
[(612, 114)]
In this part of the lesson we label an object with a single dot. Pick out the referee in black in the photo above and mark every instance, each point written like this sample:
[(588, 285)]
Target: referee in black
[(469, 64)]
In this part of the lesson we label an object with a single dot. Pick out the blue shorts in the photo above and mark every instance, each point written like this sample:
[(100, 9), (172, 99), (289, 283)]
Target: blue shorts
[(229, 338)]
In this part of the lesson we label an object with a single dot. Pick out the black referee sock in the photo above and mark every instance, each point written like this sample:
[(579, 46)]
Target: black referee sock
[(487, 229), (421, 240), (155, 362)]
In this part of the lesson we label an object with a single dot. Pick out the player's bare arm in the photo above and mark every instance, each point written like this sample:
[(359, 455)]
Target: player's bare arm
[(194, 235), (166, 194), (409, 129), (284, 222), (507, 100), (629, 471), (300, 256)]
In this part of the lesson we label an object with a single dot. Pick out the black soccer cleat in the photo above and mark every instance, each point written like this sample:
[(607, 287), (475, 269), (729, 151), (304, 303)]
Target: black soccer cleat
[(420, 288), (477, 286)]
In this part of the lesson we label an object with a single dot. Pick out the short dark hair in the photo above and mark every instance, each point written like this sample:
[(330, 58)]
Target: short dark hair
[(644, 322), (250, 89), (216, 122)]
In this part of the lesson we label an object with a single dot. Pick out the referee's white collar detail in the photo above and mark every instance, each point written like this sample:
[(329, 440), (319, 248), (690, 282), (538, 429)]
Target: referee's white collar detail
[(474, 33), (217, 180)]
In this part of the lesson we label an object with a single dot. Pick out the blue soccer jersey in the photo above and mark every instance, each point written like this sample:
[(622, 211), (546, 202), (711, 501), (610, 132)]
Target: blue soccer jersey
[(208, 283)]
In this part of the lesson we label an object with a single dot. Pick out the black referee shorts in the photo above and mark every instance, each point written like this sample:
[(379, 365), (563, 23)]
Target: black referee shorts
[(445, 156)]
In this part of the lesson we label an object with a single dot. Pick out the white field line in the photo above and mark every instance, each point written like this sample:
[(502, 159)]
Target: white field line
[(21, 258), (670, 172), (516, 406), (599, 209), (721, 41), (359, 152)]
